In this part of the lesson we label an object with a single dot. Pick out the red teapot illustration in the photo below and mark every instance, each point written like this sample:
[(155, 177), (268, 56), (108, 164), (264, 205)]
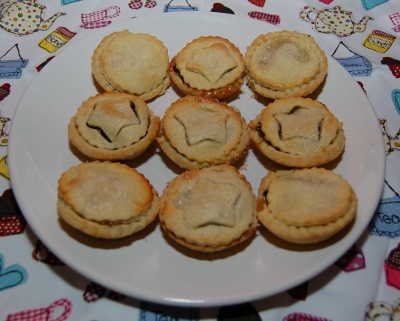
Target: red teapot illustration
[(23, 17)]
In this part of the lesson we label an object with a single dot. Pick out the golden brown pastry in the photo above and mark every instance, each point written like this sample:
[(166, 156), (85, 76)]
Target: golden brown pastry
[(208, 66), (209, 209), (132, 63), (305, 206), (106, 200), (198, 132), (285, 63), (113, 126), (298, 132)]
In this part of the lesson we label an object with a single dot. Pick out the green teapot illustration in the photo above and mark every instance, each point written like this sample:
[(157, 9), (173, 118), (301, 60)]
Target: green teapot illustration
[(23, 17), (333, 20)]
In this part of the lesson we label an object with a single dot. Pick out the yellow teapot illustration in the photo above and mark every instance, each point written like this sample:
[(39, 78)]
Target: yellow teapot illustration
[(333, 20), (23, 17)]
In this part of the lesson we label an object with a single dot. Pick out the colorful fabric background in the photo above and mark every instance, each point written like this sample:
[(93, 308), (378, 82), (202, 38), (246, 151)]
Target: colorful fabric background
[(363, 285)]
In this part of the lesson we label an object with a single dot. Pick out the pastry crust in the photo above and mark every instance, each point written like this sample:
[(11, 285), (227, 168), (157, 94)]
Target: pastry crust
[(106, 200), (113, 126), (132, 63), (198, 132), (209, 67), (298, 132), (285, 63), (209, 209), (305, 206)]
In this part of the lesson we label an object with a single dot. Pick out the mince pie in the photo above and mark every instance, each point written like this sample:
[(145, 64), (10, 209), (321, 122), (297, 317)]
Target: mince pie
[(306, 205), (113, 126), (106, 200), (132, 63), (198, 132), (285, 63), (209, 209), (298, 132), (208, 66)]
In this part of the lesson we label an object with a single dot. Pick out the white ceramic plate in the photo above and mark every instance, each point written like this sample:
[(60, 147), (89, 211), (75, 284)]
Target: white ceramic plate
[(148, 266)]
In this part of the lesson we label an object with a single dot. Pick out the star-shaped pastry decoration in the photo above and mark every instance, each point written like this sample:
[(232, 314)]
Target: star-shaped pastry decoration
[(212, 62), (112, 115), (209, 202), (300, 123), (203, 124)]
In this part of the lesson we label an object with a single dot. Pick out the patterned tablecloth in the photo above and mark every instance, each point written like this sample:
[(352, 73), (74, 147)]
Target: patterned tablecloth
[(363, 285)]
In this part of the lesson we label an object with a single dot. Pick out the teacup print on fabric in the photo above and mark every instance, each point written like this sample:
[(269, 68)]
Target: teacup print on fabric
[(267, 17), (99, 19)]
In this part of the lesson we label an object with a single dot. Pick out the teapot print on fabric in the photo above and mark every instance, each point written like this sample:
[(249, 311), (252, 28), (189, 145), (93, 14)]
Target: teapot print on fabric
[(23, 17), (377, 309), (333, 20)]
